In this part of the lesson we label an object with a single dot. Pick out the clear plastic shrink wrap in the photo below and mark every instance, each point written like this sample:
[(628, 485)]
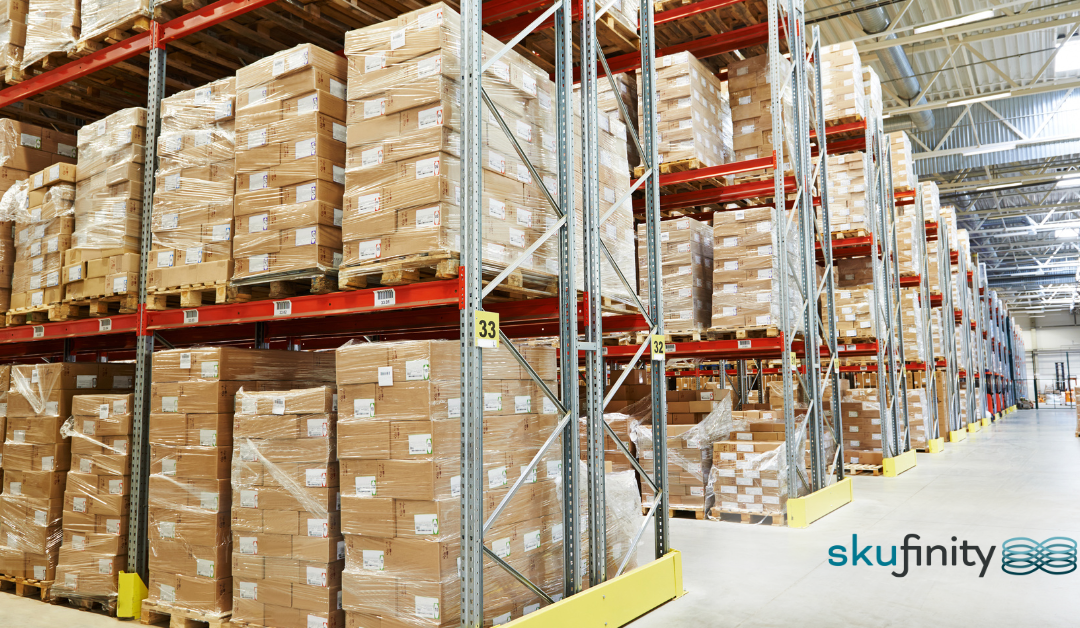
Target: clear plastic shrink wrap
[(99, 16), (746, 270), (402, 197), (191, 424), (399, 445), (51, 26), (193, 200), (43, 216), (686, 265), (290, 164), (689, 454), (288, 552), (36, 460), (95, 514)]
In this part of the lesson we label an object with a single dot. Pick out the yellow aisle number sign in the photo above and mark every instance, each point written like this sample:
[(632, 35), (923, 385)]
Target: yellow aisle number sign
[(487, 329), (658, 347)]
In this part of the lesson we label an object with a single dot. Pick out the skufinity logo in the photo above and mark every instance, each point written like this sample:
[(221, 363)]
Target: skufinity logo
[(1020, 556)]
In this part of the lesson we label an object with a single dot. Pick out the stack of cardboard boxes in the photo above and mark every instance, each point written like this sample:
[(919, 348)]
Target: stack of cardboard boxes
[(690, 407), (872, 91), (193, 199), (842, 83), (26, 148), (99, 16), (749, 473), (746, 270), (399, 447), (686, 268), (12, 32), (861, 423), (404, 168), (43, 228), (751, 109), (108, 205), (607, 100), (287, 548), (52, 26), (95, 524), (855, 313), (290, 164), (847, 193), (191, 445), (911, 330), (36, 459), (903, 166), (694, 113)]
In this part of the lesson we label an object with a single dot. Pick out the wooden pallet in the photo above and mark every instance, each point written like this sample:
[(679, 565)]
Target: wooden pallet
[(26, 587), (845, 120), (862, 469), (856, 340), (154, 614), (281, 286), (682, 513), (51, 61), (96, 307), (439, 266), (847, 234), (738, 516), (191, 295), (127, 27), (101, 605), (764, 331)]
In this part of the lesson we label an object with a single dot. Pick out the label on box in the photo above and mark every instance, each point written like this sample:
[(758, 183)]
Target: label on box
[(524, 217), (429, 67), (204, 568), (315, 478), (119, 285), (453, 408), (209, 370), (305, 148), (306, 236), (365, 486), (497, 477), (427, 168), (517, 237), (493, 402), (257, 138), (249, 545), (496, 162), (417, 370), (373, 63), (259, 263), (364, 408), (374, 560), (208, 438), (426, 524), (85, 465), (105, 566), (522, 404), (419, 444), (318, 428), (319, 528), (249, 498), (547, 406), (557, 532), (168, 466), (697, 491), (530, 477), (258, 181), (248, 590), (86, 381), (554, 468), (193, 255), (427, 607), (166, 593), (430, 117), (501, 548), (116, 487), (374, 108), (496, 208), (208, 500), (316, 576), (523, 130), (386, 376), (112, 526)]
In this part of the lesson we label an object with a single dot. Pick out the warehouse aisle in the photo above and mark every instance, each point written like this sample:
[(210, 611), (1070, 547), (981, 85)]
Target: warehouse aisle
[(1020, 477)]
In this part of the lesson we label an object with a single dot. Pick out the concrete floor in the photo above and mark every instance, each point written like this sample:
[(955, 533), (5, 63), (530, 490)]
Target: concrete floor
[(1016, 478), (1019, 477)]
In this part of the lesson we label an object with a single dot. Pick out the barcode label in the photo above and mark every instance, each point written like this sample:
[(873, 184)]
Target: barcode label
[(191, 316), (385, 297), (282, 308)]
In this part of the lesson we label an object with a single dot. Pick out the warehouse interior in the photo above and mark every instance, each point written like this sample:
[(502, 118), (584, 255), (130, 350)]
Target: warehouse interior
[(531, 313)]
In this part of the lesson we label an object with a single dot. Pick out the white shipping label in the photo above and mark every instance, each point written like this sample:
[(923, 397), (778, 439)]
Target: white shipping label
[(316, 576), (373, 63), (426, 524), (318, 528), (259, 263), (496, 162), (501, 547), (305, 148), (365, 486), (524, 217), (168, 466), (419, 444), (429, 67), (249, 498), (372, 157), (374, 560), (204, 568), (532, 540), (522, 404), (427, 607), (86, 381), (492, 402), (257, 138), (47, 463), (89, 426), (208, 369), (165, 259), (497, 477), (306, 236), (517, 237), (386, 376), (258, 181), (315, 478), (193, 255), (120, 285), (453, 408), (523, 131), (364, 408), (427, 218), (318, 428), (116, 487), (208, 501), (430, 117), (557, 532), (427, 168), (248, 590)]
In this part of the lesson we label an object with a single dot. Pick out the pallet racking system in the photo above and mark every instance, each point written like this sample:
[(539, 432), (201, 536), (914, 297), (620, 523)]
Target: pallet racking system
[(447, 308)]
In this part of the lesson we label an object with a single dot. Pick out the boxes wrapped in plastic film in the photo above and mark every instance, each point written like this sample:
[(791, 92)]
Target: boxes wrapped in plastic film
[(607, 100), (101, 16), (861, 423), (399, 447), (848, 209), (903, 167), (108, 205), (12, 33), (689, 456), (95, 517), (37, 456), (403, 197), (842, 83), (871, 91), (686, 267), (622, 501), (751, 110), (27, 148), (52, 26), (287, 548), (193, 199), (948, 217), (749, 472), (191, 426), (907, 255), (854, 313), (746, 270), (694, 112), (42, 208), (912, 331), (290, 164)]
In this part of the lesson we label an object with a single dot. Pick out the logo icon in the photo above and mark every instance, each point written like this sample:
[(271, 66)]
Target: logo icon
[(1021, 556)]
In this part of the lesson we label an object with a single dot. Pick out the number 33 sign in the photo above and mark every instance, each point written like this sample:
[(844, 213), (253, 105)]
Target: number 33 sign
[(487, 329)]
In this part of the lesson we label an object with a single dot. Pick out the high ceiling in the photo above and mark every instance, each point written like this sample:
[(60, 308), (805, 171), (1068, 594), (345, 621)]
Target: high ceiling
[(1006, 160)]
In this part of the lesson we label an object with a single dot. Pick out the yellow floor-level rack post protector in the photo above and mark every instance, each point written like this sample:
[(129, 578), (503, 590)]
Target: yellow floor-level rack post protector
[(974, 426), (130, 593), (935, 445), (956, 436), (896, 465), (985, 421), (802, 511), (616, 602)]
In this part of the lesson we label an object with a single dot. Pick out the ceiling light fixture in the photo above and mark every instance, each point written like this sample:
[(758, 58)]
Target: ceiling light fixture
[(966, 19), (995, 148), (971, 101)]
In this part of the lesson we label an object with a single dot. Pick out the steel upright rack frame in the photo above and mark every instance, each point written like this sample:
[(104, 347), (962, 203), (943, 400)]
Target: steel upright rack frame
[(926, 332), (887, 321), (968, 351), (979, 318), (947, 326)]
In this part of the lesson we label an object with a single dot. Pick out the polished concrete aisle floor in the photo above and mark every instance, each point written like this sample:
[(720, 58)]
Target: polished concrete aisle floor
[(1019, 477)]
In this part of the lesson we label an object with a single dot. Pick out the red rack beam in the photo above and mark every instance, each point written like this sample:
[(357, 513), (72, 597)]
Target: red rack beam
[(910, 282)]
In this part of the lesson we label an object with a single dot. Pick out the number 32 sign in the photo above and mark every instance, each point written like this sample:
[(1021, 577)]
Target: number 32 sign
[(487, 329)]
